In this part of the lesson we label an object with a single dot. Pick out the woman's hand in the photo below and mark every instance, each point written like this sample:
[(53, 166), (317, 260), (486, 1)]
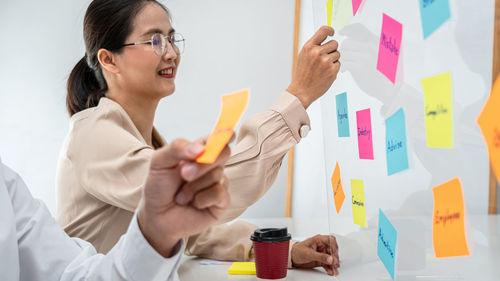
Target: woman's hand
[(163, 221), (320, 250), (317, 67)]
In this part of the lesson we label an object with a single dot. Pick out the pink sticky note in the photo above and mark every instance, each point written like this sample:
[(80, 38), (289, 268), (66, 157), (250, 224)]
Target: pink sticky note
[(355, 6), (365, 140), (390, 43)]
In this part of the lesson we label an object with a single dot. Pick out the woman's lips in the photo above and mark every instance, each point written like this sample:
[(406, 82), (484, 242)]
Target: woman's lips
[(167, 72)]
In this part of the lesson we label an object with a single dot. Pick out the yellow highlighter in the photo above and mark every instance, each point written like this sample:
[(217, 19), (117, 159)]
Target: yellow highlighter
[(242, 268)]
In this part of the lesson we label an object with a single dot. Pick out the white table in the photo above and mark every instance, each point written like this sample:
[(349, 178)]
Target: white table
[(359, 261)]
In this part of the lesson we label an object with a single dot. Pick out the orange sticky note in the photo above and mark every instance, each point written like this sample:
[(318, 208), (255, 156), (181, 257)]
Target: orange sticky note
[(338, 191), (232, 108), (448, 223), (489, 122)]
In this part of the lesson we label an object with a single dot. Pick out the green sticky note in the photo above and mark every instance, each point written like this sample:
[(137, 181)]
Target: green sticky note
[(342, 14)]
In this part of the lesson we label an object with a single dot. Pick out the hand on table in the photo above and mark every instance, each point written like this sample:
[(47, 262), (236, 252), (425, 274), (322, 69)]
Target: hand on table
[(320, 250), (164, 221)]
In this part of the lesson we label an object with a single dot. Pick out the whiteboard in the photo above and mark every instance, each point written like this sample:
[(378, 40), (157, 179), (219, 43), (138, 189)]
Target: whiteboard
[(462, 46)]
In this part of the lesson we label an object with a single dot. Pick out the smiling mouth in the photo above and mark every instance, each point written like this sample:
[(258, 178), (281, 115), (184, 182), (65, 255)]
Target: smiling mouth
[(166, 72)]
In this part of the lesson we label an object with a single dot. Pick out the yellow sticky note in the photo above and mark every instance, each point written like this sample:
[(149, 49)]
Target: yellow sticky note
[(358, 202), (338, 191), (233, 106), (342, 13), (489, 122), (448, 224), (329, 10), (438, 110), (242, 268)]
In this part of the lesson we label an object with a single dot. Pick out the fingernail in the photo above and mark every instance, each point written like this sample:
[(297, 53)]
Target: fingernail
[(180, 198), (329, 260), (195, 149), (189, 171)]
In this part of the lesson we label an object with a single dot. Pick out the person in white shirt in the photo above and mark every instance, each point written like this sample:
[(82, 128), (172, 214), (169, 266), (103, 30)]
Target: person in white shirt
[(34, 247)]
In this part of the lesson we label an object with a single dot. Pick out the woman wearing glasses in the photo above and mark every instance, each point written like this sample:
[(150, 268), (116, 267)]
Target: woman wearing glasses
[(131, 61)]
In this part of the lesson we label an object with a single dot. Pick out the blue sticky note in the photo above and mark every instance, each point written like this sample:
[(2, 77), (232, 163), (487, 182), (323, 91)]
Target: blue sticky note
[(342, 115), (386, 245), (395, 143), (433, 14)]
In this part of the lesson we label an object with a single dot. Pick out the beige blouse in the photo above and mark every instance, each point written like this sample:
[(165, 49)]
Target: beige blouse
[(105, 160)]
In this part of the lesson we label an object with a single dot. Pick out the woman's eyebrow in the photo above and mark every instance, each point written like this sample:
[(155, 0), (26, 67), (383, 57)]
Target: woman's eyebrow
[(152, 31)]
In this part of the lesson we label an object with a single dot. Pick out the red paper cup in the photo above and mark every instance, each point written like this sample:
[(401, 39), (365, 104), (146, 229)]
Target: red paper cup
[(271, 252)]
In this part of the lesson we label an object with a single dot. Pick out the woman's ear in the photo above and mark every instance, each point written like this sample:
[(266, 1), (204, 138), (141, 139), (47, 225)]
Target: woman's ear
[(107, 60)]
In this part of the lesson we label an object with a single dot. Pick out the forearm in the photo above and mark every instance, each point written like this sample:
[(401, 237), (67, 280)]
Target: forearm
[(132, 258), (46, 252), (263, 141)]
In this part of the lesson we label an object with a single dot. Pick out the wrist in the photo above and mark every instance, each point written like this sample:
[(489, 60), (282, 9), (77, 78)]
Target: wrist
[(301, 96), (292, 254), (162, 244)]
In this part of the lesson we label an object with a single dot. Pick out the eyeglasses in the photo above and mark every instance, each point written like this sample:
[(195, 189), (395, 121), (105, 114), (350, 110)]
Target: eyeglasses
[(159, 43)]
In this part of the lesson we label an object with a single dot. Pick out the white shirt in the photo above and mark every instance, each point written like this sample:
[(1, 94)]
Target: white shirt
[(34, 247)]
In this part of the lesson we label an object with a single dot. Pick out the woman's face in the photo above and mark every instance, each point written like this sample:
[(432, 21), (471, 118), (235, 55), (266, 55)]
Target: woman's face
[(143, 72)]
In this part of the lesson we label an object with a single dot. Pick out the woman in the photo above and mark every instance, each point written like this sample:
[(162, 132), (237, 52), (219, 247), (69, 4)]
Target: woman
[(132, 57)]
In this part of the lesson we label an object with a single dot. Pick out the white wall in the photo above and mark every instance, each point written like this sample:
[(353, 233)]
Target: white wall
[(231, 44)]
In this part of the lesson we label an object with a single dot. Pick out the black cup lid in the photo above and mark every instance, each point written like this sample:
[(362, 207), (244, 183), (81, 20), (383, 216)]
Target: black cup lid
[(269, 235)]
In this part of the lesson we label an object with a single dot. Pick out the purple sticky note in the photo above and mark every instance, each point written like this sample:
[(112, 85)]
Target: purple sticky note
[(365, 140), (355, 6), (390, 43)]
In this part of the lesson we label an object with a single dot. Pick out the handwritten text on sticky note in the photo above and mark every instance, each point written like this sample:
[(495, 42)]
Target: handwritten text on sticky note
[(448, 224), (386, 245), (338, 191), (438, 110), (389, 47), (489, 122), (233, 106), (342, 115), (364, 130), (358, 202), (433, 14), (395, 139)]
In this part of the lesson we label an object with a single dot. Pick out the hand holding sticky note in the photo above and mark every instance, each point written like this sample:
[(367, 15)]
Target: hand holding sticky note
[(233, 106), (448, 224)]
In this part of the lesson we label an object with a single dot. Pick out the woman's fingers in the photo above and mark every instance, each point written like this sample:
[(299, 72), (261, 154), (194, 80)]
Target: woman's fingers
[(334, 57), (329, 47)]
